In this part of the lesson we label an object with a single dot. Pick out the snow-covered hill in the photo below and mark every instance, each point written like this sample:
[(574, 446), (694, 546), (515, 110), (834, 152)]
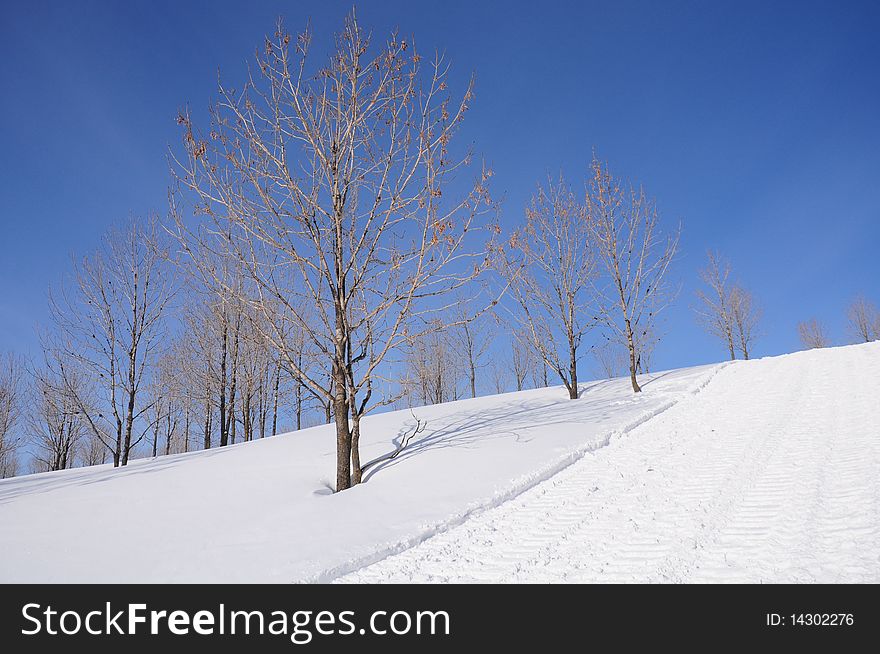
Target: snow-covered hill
[(764, 470)]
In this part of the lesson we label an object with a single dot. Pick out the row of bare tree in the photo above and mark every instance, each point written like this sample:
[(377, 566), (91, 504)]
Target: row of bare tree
[(862, 322), (333, 247), (139, 358), (584, 261), (727, 310)]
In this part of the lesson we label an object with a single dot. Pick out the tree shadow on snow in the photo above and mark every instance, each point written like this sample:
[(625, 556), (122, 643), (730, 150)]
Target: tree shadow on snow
[(507, 420)]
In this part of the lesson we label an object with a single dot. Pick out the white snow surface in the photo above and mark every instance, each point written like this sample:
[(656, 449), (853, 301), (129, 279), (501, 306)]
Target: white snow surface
[(763, 470), (770, 474)]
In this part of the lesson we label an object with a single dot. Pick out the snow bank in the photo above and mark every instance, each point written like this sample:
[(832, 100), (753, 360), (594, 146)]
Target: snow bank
[(263, 511)]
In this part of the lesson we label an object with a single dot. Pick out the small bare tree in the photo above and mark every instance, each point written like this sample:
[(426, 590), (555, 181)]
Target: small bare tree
[(549, 265), (746, 315), (812, 334), (715, 312), (470, 337), (520, 361), (109, 323), (611, 358), (864, 320), (433, 371), (635, 259), (329, 186), (56, 422), (499, 369), (11, 370)]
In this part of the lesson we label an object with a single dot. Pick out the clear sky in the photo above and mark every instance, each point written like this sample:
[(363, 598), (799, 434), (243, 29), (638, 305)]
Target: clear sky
[(755, 124)]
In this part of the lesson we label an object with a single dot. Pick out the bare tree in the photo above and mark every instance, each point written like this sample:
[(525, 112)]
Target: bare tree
[(715, 312), (549, 265), (746, 315), (470, 338), (635, 259), (812, 334), (499, 369), (329, 186), (864, 320), (109, 322), (56, 422), (11, 370), (522, 358), (433, 373), (611, 358)]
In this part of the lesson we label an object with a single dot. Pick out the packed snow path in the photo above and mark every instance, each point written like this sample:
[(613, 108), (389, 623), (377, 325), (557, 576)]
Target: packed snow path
[(770, 473)]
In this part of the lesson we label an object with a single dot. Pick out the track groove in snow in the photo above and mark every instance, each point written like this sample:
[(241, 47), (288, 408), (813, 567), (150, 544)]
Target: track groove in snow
[(770, 473), (514, 490)]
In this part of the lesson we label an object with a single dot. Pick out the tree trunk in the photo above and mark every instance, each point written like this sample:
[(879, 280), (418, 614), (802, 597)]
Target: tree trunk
[(630, 344), (156, 437), (573, 373), (355, 451), (117, 453), (129, 423), (343, 434), (224, 428), (275, 400), (208, 424), (233, 382)]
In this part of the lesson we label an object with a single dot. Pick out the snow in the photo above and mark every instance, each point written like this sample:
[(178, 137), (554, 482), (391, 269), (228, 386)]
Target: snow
[(751, 471), (770, 474)]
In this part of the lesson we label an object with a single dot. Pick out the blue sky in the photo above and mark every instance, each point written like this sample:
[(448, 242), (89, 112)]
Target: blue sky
[(755, 124)]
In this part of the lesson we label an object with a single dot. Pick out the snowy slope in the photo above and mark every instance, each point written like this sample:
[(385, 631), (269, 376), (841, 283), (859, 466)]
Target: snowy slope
[(262, 511), (753, 471), (770, 474)]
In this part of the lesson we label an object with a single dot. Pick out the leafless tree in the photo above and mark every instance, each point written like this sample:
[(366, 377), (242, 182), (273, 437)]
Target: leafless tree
[(328, 185), (499, 369), (56, 422), (812, 334), (11, 370), (470, 338), (433, 373), (746, 315), (522, 358), (864, 320), (611, 358), (715, 312), (109, 328), (635, 260), (549, 265)]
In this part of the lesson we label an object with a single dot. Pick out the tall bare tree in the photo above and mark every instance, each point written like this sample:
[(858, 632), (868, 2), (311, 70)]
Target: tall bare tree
[(864, 320), (11, 371), (109, 322), (329, 185), (635, 259), (812, 334), (549, 264)]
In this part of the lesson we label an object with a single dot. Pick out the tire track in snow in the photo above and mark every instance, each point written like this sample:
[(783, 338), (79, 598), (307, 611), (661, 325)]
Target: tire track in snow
[(769, 474), (517, 488)]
